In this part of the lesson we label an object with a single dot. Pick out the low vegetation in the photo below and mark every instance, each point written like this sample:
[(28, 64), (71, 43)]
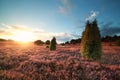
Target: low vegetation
[(117, 42), (65, 63)]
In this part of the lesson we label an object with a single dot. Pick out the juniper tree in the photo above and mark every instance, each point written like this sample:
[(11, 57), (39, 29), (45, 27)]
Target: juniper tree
[(91, 41), (53, 44), (47, 42)]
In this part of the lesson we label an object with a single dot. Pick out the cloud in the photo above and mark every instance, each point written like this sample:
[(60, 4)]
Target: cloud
[(4, 25), (110, 29), (61, 37), (93, 15), (66, 6), (8, 32)]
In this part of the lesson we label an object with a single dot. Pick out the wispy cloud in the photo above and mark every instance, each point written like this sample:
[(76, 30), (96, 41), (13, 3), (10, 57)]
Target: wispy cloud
[(8, 32), (66, 6), (4, 25), (93, 14)]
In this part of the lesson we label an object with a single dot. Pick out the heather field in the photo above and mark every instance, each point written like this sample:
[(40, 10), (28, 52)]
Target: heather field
[(32, 62)]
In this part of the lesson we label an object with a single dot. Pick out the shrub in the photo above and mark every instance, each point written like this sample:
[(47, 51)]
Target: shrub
[(47, 46), (47, 42), (117, 42), (38, 42), (53, 44), (91, 41), (62, 44)]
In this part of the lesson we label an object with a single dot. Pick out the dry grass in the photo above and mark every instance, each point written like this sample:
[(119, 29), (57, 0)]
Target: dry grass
[(31, 62)]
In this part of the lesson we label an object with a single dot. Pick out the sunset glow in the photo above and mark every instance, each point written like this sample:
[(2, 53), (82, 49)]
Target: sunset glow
[(23, 36)]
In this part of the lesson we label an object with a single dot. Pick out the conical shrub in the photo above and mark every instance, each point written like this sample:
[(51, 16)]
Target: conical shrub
[(91, 41), (53, 44)]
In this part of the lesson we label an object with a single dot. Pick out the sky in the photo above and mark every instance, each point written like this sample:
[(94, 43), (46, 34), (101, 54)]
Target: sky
[(64, 19)]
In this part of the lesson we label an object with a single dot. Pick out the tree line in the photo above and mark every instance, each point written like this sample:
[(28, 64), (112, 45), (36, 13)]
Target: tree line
[(103, 39)]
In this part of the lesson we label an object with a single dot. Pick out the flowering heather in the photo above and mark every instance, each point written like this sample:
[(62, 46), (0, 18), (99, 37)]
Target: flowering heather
[(32, 62)]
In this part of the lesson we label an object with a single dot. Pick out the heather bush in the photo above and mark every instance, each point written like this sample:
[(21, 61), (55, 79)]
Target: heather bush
[(91, 41)]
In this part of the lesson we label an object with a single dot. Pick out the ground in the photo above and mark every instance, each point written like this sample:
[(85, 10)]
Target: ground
[(32, 62)]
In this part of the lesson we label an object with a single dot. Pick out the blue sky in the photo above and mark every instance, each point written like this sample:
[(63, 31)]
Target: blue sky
[(64, 19)]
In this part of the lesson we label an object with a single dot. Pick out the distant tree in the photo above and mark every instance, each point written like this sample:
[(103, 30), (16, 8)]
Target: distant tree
[(73, 41), (78, 40), (53, 44), (110, 38), (67, 42), (3, 40), (115, 36), (91, 41), (117, 42), (38, 42), (47, 42), (62, 44)]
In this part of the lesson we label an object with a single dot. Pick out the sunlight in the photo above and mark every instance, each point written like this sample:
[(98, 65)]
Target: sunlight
[(23, 36)]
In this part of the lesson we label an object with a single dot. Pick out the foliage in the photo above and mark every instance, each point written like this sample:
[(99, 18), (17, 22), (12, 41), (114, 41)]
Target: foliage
[(74, 41), (53, 44), (91, 41), (47, 42), (62, 44), (117, 42), (2, 40), (38, 42), (110, 38), (67, 42), (47, 46), (106, 38)]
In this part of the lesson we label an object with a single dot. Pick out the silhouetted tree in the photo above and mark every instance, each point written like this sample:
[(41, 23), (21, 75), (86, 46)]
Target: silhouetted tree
[(53, 44), (67, 42), (117, 42), (62, 44), (73, 41), (110, 38), (91, 41), (3, 40), (38, 42), (47, 42)]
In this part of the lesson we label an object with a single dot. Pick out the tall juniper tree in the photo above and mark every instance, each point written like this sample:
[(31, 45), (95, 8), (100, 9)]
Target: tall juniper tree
[(91, 41), (53, 44)]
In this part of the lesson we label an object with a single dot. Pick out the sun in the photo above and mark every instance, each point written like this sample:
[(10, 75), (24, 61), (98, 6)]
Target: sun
[(23, 36)]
